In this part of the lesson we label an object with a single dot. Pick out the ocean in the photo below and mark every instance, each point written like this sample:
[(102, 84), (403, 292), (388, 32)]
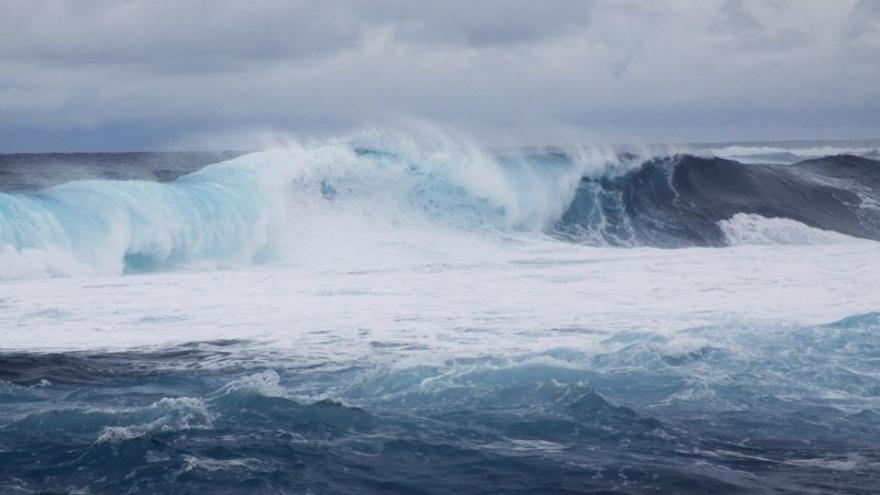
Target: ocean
[(381, 314)]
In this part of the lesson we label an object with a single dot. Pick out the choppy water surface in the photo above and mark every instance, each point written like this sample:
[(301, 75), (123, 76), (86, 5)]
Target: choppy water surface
[(751, 410)]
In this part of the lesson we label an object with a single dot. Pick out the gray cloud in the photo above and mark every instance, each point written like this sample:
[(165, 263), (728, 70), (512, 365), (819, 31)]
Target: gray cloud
[(106, 74), (184, 36), (864, 27), (480, 24)]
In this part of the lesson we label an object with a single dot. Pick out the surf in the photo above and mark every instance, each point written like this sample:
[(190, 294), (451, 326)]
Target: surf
[(272, 205)]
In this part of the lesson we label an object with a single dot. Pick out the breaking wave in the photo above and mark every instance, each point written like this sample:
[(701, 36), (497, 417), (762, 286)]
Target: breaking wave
[(268, 205), (685, 200)]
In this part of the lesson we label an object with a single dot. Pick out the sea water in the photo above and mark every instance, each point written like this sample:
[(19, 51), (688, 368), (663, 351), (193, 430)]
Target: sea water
[(388, 316)]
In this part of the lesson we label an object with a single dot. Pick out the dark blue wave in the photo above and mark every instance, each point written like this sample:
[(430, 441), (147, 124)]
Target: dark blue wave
[(729, 416), (679, 200)]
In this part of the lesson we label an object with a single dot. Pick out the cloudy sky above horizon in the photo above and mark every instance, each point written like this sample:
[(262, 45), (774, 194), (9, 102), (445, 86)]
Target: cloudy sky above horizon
[(162, 74)]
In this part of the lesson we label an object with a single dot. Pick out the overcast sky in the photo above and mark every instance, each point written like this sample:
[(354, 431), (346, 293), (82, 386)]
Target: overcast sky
[(164, 74)]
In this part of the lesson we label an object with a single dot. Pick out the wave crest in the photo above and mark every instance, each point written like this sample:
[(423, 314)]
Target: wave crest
[(350, 197)]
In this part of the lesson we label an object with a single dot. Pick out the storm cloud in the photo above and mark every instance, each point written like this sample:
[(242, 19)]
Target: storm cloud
[(107, 75)]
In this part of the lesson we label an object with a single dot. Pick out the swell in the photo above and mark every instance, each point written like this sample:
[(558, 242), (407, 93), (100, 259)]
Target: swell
[(685, 200), (268, 205)]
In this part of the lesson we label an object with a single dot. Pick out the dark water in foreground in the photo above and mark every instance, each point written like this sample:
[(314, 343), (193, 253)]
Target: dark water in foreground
[(220, 417)]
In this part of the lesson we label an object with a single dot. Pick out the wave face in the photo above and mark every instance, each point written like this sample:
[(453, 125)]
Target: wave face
[(682, 200), (270, 205), (218, 214)]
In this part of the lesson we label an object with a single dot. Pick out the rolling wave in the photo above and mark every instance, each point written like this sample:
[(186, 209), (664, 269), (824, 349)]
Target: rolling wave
[(682, 200), (261, 206)]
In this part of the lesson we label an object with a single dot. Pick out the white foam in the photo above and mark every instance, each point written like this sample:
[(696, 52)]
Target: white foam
[(850, 463), (479, 298), (266, 383), (749, 229), (168, 414)]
